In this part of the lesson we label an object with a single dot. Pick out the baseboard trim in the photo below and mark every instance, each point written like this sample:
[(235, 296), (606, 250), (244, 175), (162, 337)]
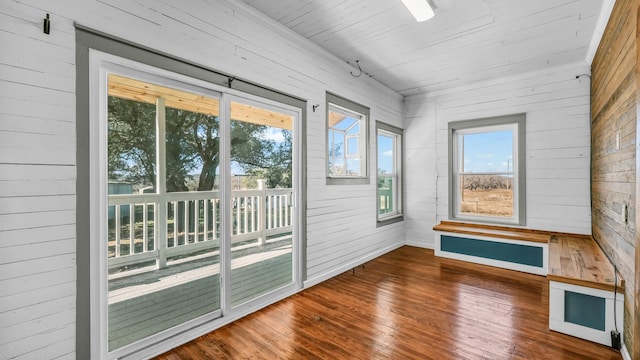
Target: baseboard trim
[(348, 266), (421, 244)]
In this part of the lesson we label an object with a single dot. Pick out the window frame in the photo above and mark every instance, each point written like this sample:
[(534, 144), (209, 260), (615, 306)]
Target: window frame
[(398, 213), (346, 105), (519, 167)]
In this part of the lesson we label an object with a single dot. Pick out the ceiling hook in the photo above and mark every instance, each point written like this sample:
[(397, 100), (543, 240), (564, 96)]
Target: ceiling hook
[(359, 69)]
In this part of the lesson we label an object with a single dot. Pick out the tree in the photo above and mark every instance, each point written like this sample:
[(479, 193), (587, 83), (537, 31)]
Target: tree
[(131, 145), (189, 136), (277, 168), (383, 182)]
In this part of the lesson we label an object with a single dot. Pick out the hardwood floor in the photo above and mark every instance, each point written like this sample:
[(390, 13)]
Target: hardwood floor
[(407, 304)]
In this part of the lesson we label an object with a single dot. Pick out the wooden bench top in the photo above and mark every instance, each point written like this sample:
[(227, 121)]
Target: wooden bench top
[(580, 261), (502, 232)]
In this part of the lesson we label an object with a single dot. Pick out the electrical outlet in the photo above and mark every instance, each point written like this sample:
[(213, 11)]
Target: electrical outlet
[(625, 213), (616, 343), (617, 141)]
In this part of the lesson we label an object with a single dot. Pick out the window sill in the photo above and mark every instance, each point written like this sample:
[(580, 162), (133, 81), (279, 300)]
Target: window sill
[(390, 220), (348, 181), (489, 221)]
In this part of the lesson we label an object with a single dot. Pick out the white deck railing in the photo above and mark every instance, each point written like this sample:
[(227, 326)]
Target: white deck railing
[(192, 223)]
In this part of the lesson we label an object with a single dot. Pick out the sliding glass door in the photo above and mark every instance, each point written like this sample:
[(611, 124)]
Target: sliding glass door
[(261, 169), (199, 214), (163, 244)]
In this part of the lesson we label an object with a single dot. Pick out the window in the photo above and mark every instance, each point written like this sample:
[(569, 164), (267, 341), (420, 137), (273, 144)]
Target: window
[(389, 188), (486, 162), (347, 144)]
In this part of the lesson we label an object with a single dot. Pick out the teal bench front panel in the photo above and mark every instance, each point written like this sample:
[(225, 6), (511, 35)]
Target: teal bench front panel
[(513, 253), (585, 310)]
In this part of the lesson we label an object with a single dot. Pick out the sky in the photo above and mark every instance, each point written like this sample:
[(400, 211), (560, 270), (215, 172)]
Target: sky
[(385, 153), (488, 152)]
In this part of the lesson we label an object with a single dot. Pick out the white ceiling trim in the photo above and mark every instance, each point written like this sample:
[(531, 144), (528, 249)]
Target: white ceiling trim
[(601, 25)]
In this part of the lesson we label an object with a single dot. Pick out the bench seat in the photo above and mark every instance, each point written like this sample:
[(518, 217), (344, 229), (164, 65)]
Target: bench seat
[(583, 296), (500, 246), (501, 232), (579, 260)]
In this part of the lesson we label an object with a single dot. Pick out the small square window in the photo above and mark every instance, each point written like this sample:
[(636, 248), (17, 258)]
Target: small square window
[(347, 141)]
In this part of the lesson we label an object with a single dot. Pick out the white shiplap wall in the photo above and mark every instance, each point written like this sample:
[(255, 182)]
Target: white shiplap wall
[(557, 147), (38, 146)]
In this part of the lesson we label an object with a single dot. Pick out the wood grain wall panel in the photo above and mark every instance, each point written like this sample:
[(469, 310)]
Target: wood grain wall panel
[(613, 147), (635, 309), (38, 144)]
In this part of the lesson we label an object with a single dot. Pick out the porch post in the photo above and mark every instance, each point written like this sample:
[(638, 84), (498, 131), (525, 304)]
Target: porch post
[(161, 181), (262, 212)]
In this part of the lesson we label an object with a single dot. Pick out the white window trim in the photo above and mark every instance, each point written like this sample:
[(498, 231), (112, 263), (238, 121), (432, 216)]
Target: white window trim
[(347, 107), (515, 123), (398, 175)]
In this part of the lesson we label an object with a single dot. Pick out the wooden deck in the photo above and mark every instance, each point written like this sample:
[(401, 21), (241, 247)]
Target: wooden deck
[(407, 304), (147, 303)]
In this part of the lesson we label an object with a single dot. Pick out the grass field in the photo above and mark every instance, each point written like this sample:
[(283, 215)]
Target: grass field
[(493, 202)]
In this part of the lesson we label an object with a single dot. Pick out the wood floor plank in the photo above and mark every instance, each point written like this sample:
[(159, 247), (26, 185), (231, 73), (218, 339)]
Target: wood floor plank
[(407, 304)]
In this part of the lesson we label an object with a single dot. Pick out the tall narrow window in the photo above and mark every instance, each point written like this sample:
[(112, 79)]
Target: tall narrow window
[(486, 158), (389, 189), (347, 144)]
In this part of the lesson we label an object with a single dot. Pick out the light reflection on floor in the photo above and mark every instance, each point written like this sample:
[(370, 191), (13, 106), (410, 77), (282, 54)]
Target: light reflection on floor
[(479, 307), (385, 326)]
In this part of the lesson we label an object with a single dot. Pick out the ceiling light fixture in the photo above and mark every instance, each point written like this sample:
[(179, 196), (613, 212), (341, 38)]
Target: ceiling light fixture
[(420, 9)]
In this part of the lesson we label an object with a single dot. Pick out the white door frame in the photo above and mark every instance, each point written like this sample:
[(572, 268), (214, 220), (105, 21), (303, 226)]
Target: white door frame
[(100, 64)]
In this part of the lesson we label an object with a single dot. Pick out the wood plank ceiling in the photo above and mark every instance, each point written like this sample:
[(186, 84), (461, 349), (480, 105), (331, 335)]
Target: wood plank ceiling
[(466, 42)]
